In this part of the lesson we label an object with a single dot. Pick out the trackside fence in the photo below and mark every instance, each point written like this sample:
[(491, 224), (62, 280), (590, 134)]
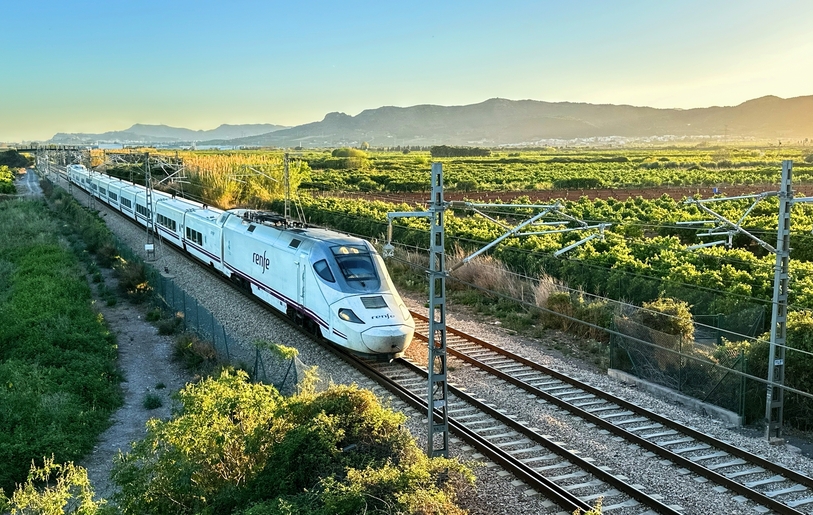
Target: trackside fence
[(262, 364)]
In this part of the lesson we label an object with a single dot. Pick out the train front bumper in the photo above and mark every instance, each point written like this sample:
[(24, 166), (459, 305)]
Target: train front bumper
[(389, 339)]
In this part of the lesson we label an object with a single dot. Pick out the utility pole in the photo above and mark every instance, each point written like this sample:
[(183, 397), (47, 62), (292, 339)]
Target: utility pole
[(774, 403), (286, 188), (149, 247), (775, 397), (437, 384)]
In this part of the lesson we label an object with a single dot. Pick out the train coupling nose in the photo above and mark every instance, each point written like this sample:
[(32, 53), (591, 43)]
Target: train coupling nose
[(391, 339)]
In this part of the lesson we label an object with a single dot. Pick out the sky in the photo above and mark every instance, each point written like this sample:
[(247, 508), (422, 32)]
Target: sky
[(96, 66)]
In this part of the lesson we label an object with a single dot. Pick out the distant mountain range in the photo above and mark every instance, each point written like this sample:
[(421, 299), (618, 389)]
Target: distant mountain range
[(502, 122), (140, 133)]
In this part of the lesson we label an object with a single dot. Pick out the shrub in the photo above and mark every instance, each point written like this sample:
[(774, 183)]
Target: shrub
[(238, 445), (132, 277), (152, 401), (348, 152), (194, 354), (668, 316), (54, 488), (154, 315), (170, 325)]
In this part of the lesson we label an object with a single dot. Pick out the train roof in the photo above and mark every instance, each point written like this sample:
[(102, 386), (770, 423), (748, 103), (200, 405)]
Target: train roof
[(277, 221)]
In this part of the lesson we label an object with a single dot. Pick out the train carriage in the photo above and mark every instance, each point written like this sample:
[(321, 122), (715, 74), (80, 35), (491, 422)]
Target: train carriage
[(127, 197), (143, 212), (202, 235), (169, 219), (113, 193)]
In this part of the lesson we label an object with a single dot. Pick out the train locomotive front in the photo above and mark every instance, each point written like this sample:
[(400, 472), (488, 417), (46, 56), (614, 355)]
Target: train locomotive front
[(366, 314), (322, 279)]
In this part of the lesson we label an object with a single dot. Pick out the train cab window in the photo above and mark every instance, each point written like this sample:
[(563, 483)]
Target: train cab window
[(355, 263), (323, 270)]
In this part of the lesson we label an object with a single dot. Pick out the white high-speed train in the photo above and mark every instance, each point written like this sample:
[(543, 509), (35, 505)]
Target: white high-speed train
[(334, 285)]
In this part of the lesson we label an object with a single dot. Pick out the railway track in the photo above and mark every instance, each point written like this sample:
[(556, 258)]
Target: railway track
[(537, 460), (748, 476)]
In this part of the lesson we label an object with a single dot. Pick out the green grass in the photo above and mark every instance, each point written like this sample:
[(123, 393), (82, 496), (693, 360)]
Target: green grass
[(57, 357)]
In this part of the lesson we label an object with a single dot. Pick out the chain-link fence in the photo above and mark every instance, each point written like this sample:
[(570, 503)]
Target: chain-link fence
[(264, 365), (712, 374)]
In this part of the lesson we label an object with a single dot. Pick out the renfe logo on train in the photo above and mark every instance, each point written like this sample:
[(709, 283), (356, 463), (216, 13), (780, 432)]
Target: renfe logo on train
[(261, 260)]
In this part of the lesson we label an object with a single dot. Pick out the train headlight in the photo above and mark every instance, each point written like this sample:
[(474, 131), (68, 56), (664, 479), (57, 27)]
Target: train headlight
[(348, 316)]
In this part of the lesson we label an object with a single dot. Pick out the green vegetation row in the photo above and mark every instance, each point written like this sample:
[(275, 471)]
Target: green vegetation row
[(58, 375), (555, 169), (643, 257)]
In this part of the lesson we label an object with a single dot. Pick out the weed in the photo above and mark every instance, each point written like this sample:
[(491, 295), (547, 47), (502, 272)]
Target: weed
[(152, 401), (170, 325), (160, 386), (154, 314)]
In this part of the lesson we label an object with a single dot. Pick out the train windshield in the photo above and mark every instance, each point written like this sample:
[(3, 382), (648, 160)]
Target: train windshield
[(355, 262)]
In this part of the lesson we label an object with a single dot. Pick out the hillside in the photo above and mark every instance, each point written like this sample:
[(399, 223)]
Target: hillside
[(141, 133), (498, 122)]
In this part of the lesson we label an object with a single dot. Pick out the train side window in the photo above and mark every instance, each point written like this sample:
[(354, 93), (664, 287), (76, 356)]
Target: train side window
[(322, 268)]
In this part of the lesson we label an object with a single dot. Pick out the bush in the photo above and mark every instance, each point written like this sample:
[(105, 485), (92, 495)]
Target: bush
[(170, 325), (238, 446), (54, 489), (152, 401), (668, 316), (348, 152), (13, 159), (195, 354), (132, 277)]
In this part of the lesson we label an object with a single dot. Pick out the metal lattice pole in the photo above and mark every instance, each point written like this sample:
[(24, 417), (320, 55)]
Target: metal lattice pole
[(774, 404), (287, 189), (149, 248), (438, 437)]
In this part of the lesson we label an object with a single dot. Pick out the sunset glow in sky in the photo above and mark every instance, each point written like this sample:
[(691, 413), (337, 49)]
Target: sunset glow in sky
[(96, 66)]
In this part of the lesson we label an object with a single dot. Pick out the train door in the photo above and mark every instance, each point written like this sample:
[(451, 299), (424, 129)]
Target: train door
[(300, 278)]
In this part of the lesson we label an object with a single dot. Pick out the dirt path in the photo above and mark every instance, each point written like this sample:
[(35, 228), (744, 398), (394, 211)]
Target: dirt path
[(145, 361)]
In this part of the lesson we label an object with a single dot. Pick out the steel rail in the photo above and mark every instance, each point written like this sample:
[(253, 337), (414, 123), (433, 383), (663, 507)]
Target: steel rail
[(699, 469), (577, 460)]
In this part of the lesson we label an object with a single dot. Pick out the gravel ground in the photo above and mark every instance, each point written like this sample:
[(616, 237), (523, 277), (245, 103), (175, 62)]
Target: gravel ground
[(494, 492)]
